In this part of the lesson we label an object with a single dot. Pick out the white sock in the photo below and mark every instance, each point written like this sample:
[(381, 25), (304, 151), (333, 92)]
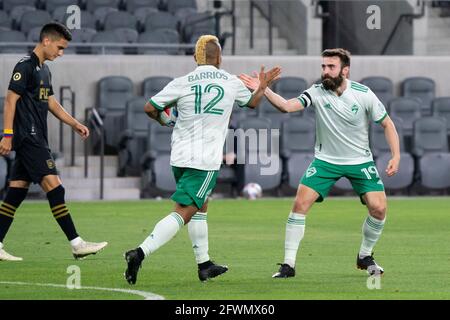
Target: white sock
[(295, 229), (1, 246), (76, 242), (198, 232), (164, 230), (371, 231)]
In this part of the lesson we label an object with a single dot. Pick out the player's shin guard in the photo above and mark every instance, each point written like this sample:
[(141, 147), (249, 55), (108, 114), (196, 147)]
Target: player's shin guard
[(295, 229), (164, 230), (198, 232), (371, 231), (12, 201), (61, 212)]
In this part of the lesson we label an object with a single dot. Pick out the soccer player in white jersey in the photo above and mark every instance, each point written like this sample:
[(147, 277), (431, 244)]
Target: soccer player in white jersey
[(343, 109), (204, 99)]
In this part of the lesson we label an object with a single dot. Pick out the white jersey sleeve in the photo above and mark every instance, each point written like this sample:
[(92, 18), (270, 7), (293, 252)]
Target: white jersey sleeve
[(243, 95), (377, 111), (167, 96), (306, 98)]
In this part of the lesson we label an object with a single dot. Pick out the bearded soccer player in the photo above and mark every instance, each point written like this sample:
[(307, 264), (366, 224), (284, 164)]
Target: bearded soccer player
[(204, 100), (29, 98), (343, 109)]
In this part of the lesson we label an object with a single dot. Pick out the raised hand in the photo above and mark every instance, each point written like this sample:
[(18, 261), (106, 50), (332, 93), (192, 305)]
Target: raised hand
[(266, 78)]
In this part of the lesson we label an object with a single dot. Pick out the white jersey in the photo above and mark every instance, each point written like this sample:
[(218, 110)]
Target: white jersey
[(204, 99), (342, 122)]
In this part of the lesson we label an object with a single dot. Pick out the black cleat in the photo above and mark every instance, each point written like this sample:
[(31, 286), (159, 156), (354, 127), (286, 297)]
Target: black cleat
[(212, 271), (369, 264), (286, 271), (134, 262)]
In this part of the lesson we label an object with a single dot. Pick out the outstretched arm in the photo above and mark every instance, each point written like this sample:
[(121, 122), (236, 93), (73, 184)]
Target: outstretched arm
[(392, 139), (276, 100), (264, 79), (59, 112)]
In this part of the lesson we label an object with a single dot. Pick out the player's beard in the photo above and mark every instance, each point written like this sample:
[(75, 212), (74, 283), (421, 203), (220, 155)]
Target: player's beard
[(330, 83)]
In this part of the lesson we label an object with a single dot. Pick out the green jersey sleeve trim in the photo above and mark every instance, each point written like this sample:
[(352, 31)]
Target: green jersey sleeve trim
[(382, 118), (245, 105), (153, 103), (302, 101)]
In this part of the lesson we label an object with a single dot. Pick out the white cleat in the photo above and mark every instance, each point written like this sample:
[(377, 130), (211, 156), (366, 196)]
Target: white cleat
[(86, 248), (5, 256)]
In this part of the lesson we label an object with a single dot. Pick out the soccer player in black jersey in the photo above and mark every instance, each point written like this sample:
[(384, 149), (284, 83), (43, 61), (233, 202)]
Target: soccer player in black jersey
[(29, 98)]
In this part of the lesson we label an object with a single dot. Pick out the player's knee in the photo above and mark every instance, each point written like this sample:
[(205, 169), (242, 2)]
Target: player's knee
[(378, 210), (301, 206)]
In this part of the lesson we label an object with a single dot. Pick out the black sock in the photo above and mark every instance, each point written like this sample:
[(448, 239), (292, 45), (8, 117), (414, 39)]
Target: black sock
[(61, 212), (12, 201), (205, 265)]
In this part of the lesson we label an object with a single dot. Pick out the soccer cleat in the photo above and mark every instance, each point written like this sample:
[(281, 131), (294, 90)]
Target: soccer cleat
[(369, 264), (134, 263), (286, 271), (5, 256), (86, 248), (212, 271)]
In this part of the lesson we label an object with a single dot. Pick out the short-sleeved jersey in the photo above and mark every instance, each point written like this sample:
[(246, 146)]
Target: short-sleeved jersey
[(342, 122), (204, 99), (32, 82)]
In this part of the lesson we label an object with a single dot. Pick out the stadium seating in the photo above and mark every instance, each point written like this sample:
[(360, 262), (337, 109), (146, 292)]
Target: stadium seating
[(276, 117), (34, 35), (156, 171), (8, 5), (5, 20), (297, 147), (441, 109), (378, 143), (160, 36), (100, 15), (106, 37), (113, 94), (93, 5), (83, 35), (133, 5), (290, 87), (422, 88), (141, 15), (51, 5), (429, 135), (407, 109), (174, 5), (17, 13), (197, 24), (160, 20), (435, 170), (119, 19), (255, 154), (32, 19), (12, 36), (152, 85), (133, 140), (405, 175), (381, 86)]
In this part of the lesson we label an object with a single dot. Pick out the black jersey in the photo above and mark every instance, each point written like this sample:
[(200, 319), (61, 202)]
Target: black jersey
[(33, 83)]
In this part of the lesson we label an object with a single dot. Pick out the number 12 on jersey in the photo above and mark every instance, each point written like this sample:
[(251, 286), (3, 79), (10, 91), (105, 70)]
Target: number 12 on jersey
[(210, 106)]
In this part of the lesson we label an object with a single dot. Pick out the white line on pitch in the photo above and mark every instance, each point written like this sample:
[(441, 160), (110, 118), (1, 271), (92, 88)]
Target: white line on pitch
[(146, 295)]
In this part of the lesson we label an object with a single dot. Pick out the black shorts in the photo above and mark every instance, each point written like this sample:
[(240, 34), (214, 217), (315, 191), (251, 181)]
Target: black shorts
[(32, 163)]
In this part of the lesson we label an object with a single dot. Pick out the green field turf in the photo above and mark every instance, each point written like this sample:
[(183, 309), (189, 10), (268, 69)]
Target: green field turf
[(248, 236)]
